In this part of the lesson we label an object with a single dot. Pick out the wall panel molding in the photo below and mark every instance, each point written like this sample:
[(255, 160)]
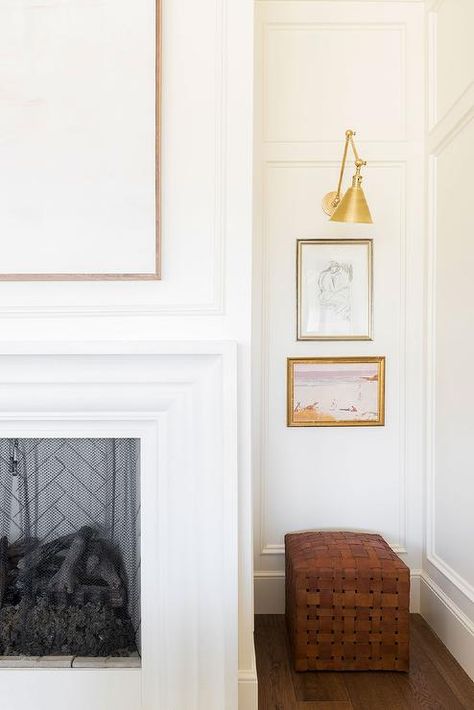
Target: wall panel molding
[(364, 2), (445, 131), (437, 148), (160, 298), (287, 157), (431, 67), (463, 98), (338, 27), (276, 548)]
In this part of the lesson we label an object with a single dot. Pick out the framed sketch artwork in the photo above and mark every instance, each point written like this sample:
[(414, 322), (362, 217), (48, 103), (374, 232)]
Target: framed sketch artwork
[(339, 391), (334, 289)]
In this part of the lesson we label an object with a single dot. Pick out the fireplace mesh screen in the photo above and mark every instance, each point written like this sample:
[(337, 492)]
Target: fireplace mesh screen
[(67, 489)]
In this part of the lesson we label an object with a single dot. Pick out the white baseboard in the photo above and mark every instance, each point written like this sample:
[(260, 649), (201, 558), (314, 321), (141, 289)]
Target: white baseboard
[(447, 620), (269, 596), (270, 592), (248, 691), (248, 687)]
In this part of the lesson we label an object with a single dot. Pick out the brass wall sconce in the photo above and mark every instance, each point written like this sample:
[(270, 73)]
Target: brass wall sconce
[(353, 206)]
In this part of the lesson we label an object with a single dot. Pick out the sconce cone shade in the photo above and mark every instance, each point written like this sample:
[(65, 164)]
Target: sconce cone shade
[(353, 207)]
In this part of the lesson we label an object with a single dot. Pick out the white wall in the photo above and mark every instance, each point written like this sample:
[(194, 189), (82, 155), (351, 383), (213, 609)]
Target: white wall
[(448, 589), (323, 67), (206, 179)]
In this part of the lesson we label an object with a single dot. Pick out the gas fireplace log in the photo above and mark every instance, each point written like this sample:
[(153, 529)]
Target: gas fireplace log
[(100, 565), (40, 560), (69, 564), (3, 567), (37, 555), (20, 548), (65, 579)]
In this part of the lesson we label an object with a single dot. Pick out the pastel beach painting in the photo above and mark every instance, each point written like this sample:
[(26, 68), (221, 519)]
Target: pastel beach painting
[(336, 392)]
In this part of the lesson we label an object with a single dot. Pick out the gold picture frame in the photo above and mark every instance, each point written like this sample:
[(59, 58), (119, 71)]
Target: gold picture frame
[(336, 391), (344, 309), (154, 275)]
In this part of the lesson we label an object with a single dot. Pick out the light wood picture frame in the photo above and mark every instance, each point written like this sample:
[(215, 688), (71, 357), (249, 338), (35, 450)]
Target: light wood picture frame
[(334, 289), (337, 391), (155, 274)]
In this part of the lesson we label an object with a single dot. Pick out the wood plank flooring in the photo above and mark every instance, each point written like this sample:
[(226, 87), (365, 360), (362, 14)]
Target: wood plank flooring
[(435, 680)]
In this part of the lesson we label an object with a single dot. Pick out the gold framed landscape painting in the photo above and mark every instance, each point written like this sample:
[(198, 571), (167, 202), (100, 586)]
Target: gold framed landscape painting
[(338, 391), (334, 289)]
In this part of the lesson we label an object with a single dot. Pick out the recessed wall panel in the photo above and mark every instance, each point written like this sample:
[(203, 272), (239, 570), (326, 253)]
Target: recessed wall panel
[(324, 477), (322, 79), (454, 318), (454, 68)]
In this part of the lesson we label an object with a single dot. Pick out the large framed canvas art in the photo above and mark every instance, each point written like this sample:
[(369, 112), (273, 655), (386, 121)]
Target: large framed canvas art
[(338, 391), (334, 289), (80, 168)]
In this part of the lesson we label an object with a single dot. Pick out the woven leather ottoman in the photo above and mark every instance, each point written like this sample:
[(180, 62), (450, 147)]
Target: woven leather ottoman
[(347, 602)]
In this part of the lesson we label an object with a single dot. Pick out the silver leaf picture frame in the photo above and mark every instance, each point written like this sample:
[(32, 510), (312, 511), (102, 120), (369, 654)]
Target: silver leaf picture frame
[(334, 289)]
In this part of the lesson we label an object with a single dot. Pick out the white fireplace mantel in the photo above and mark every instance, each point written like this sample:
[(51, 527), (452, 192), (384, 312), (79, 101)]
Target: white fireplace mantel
[(180, 400)]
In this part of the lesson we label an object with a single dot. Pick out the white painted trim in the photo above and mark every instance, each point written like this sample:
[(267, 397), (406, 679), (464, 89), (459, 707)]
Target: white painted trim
[(461, 617), (248, 694), (434, 5), (447, 130), (225, 348), (415, 581), (359, 2), (439, 124), (277, 549), (248, 685), (432, 68), (248, 689), (440, 141), (190, 391), (452, 119), (449, 622), (448, 572), (453, 626), (269, 589), (269, 574), (111, 311), (218, 218)]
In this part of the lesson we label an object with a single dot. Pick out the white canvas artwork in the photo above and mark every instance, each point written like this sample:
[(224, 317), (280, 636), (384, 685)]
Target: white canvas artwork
[(334, 289)]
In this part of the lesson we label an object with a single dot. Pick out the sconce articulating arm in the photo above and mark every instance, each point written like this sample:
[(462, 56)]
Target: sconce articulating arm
[(332, 200)]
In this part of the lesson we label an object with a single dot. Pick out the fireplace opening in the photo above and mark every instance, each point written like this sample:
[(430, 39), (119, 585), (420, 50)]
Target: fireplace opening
[(70, 548)]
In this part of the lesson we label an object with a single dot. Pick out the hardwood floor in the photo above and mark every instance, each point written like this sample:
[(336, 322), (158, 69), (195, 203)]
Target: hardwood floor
[(435, 681)]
